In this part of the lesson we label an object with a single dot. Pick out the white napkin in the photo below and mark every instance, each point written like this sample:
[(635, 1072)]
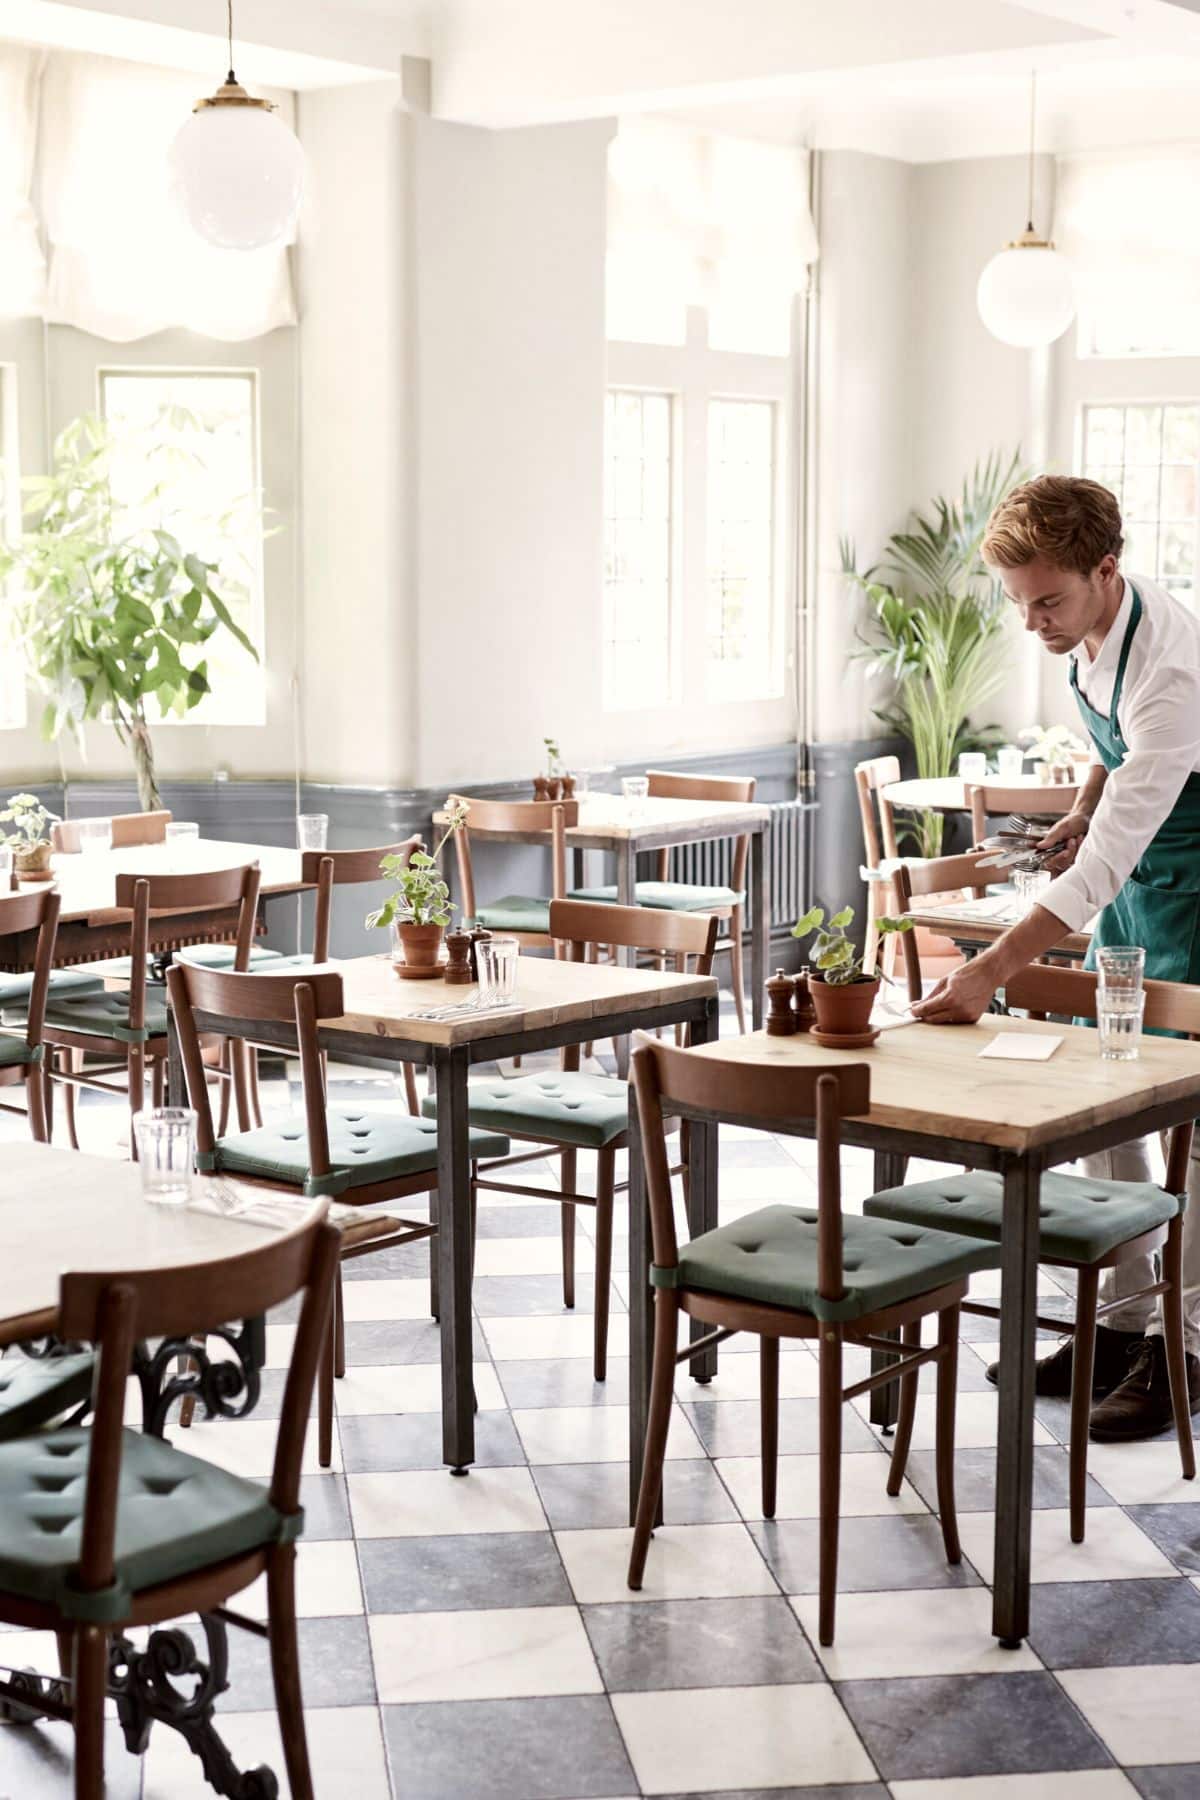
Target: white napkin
[(1018, 1048)]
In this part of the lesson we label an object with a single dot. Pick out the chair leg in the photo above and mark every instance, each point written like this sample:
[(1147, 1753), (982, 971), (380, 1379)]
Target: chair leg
[(66, 1652), (871, 944), (605, 1178), (285, 1668), (830, 1409), (947, 1395), (225, 1084), (1172, 1265), (435, 1302), (158, 1081), (136, 1064), (410, 1090), (36, 1083), (735, 967), (91, 1678), (1082, 1367), (662, 1388), (906, 1412), (569, 1186), (339, 1327), (252, 1094), (325, 1398), (68, 1087), (768, 1400)]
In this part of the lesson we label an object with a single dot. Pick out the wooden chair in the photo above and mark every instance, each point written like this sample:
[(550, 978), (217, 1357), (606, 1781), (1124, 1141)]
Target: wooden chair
[(880, 849), (578, 1111), (724, 903), (795, 1272), (22, 1052), (107, 1530), (361, 1157), (128, 830), (1087, 1225), (517, 915), (937, 875), (990, 800)]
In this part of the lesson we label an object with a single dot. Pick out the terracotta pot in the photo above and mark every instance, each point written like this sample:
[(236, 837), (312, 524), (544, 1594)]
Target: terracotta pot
[(421, 947), (846, 1010), (32, 864)]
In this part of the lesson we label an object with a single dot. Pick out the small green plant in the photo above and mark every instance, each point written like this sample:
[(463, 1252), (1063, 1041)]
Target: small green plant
[(421, 896), (833, 953), (30, 821), (554, 761)]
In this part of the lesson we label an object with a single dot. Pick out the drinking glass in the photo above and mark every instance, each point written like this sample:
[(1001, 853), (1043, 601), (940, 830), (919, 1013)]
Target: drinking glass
[(166, 1143), (182, 830), (1120, 968), (635, 789), (1010, 762), (497, 959), (95, 836), (312, 830), (972, 766), (6, 867), (1030, 885), (1119, 1017)]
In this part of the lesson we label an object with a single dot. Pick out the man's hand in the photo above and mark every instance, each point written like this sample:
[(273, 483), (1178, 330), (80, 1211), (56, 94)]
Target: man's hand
[(1069, 832), (960, 998)]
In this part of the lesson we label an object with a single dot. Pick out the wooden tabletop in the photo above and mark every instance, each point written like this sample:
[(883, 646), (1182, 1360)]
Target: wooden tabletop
[(63, 1210), (947, 793), (983, 921), (929, 1080), (609, 819), (87, 881)]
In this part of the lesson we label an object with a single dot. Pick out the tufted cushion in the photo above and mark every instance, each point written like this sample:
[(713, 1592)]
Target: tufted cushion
[(15, 989), (588, 1111), (16, 1050), (516, 912), (34, 1390), (175, 1514), (220, 956), (771, 1256), (106, 1015), (363, 1147), (1081, 1219), (670, 896)]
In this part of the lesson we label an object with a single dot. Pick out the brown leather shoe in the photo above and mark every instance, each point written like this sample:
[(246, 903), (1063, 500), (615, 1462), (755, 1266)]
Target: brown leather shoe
[(1052, 1377), (1141, 1406)]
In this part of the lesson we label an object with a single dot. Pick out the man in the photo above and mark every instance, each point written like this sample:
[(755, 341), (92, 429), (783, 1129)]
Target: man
[(1130, 853)]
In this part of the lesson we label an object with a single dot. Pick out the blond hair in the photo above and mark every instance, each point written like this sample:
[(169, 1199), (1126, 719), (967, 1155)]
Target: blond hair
[(1073, 523)]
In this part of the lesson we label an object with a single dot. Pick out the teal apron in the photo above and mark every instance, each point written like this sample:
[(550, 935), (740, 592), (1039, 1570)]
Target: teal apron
[(1159, 906)]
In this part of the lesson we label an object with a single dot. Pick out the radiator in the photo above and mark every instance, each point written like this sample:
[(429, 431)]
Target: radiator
[(710, 864)]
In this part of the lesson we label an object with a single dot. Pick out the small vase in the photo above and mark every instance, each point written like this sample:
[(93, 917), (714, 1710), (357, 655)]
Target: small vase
[(416, 950), (33, 863), (844, 1010)]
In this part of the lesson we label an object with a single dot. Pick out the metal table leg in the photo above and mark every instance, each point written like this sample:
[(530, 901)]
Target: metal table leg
[(1014, 1452), (626, 957), (452, 1247), (760, 922), (641, 1307), (702, 1193)]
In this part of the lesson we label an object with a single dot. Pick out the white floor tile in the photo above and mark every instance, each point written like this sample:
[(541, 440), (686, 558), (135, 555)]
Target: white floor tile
[(737, 1377), (704, 1740), (1144, 1715), (975, 1421), (1113, 1550), (864, 1487), (777, 1186), (345, 1746), (590, 1434), (529, 1256), (247, 1446), (434, 1503), (327, 1583), (537, 1339), (985, 1285), (1067, 1784), (407, 1388), (942, 1631), (493, 1654), (1141, 1474), (363, 1300), (686, 1562)]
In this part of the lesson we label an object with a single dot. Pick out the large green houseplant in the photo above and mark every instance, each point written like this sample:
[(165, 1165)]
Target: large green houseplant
[(936, 626), (112, 617)]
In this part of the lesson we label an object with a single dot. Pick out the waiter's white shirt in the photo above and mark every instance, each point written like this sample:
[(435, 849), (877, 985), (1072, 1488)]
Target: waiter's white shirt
[(1159, 717)]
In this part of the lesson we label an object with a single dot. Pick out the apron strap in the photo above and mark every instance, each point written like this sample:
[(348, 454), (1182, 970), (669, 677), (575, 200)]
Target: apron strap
[(1135, 617)]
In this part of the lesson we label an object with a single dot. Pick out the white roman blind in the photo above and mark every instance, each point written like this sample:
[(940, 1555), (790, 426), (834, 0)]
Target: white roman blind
[(22, 267)]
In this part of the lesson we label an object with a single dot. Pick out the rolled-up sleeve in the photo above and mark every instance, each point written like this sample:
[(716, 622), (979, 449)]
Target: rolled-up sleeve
[(1163, 737)]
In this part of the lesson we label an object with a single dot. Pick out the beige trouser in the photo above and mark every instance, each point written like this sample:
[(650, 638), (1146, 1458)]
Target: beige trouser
[(1131, 1162)]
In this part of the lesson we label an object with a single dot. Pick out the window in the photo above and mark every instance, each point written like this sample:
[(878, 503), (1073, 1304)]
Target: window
[(187, 462), (741, 550), (1148, 456), (12, 670), (639, 552)]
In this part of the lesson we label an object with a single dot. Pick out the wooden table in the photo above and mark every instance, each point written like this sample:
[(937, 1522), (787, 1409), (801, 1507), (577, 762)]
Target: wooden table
[(90, 926), (971, 926), (558, 1003), (932, 1097), (624, 827), (948, 793)]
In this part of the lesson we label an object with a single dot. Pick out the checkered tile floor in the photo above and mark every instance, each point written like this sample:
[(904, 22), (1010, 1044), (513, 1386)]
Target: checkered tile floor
[(474, 1639)]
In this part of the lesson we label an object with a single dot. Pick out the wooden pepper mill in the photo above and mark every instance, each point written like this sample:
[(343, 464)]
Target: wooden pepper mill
[(781, 1020), (457, 972), (802, 1004), (541, 788), (567, 787), (476, 936)]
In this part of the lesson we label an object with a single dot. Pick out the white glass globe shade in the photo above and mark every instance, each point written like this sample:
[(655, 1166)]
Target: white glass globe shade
[(237, 172), (1026, 295)]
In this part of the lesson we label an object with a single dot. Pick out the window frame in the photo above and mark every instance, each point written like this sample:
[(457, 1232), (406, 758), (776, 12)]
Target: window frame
[(776, 639), (674, 549), (1159, 398), (14, 690)]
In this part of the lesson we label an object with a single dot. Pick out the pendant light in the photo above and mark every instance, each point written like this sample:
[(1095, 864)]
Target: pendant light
[(237, 171), (1026, 295)]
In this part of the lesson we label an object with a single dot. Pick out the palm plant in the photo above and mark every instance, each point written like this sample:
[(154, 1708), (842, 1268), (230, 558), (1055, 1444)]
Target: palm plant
[(937, 615)]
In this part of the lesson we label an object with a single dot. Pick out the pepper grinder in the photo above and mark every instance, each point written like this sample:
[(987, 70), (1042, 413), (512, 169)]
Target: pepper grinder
[(781, 1020), (457, 972), (476, 936), (803, 1008)]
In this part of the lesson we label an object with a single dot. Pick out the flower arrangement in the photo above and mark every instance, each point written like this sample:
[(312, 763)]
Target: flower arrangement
[(834, 955)]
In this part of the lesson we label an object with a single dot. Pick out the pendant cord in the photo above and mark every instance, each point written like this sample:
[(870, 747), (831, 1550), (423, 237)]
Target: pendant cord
[(1032, 129), (229, 33)]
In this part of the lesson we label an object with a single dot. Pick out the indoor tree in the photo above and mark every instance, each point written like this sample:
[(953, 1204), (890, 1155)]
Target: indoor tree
[(114, 611)]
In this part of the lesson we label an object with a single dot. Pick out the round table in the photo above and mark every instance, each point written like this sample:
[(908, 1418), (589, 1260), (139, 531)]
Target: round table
[(948, 793)]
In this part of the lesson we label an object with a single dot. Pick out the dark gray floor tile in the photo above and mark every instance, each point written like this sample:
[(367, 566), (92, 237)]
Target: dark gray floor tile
[(518, 1221), (567, 1382), (394, 1441), (586, 1496), (1169, 1781), (526, 1296), (326, 1508), (454, 1574), (961, 1725), (335, 1666), (481, 1749), (1176, 1531), (763, 1153), (1102, 1624), (37, 1762), (975, 1479), (876, 1555), (401, 1341), (856, 1790), (734, 1427), (402, 1262), (699, 1643)]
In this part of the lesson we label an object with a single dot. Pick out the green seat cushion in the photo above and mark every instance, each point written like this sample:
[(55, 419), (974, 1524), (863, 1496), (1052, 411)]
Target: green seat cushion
[(105, 1015), (1080, 1218), (516, 912), (220, 956), (771, 1256), (175, 1514), (363, 1147), (588, 1111), (669, 896), (15, 1050), (35, 1390), (16, 989)]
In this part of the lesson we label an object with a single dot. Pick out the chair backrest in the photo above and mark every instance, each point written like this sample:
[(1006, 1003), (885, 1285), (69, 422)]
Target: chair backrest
[(990, 800), (114, 1310), (665, 784), (38, 912), (517, 816), (215, 889), (341, 868), (667, 1080), (579, 923), (934, 875), (879, 832), (128, 829)]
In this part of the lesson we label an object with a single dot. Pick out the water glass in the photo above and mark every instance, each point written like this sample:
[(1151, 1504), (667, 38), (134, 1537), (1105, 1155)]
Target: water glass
[(635, 789), (1120, 968), (95, 836), (181, 831), (497, 960), (166, 1146), (6, 868), (1030, 884), (1010, 762), (312, 831), (972, 766), (1119, 1017)]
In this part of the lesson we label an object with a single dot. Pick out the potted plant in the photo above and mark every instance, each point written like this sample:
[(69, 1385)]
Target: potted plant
[(418, 910), (842, 994), (30, 837), (1057, 750)]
